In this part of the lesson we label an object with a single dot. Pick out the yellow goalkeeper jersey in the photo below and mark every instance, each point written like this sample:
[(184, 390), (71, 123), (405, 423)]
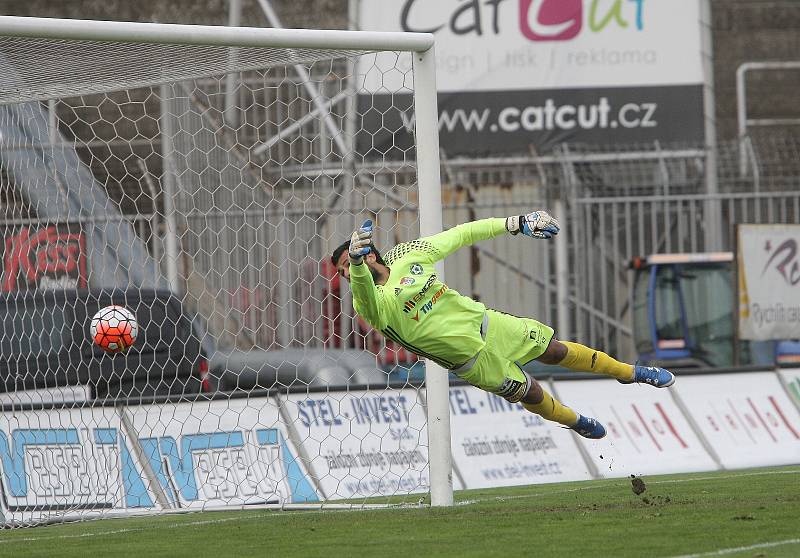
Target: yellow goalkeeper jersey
[(416, 309)]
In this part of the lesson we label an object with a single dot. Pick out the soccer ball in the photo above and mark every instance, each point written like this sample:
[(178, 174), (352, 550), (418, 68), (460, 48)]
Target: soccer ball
[(114, 329)]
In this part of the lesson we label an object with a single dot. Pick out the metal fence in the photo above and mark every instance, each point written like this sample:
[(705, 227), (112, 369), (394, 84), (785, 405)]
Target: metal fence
[(613, 206), (614, 202)]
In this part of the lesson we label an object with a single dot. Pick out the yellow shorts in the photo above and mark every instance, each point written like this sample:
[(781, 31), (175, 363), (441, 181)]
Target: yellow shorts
[(510, 342)]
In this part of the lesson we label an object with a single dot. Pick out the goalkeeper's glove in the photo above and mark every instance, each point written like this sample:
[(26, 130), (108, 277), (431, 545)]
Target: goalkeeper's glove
[(538, 224), (359, 243)]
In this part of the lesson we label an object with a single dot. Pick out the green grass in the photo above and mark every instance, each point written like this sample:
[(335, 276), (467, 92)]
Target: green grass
[(677, 515)]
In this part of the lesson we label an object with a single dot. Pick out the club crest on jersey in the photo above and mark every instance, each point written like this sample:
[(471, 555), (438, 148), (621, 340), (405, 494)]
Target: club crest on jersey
[(397, 291), (407, 281), (416, 269)]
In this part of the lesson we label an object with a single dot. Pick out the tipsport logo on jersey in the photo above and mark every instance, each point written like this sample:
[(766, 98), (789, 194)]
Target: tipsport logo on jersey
[(428, 306)]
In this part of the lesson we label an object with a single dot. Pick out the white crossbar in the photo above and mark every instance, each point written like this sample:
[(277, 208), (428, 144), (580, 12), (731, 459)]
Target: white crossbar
[(167, 33)]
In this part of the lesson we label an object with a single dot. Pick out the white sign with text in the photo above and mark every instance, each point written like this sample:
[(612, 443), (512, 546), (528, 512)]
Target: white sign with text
[(70, 459), (362, 444), (791, 377), (545, 44), (515, 74), (747, 418), (647, 432), (496, 443), (769, 282), (221, 453)]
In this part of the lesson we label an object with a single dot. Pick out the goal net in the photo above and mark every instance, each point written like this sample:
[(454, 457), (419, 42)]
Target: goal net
[(201, 177)]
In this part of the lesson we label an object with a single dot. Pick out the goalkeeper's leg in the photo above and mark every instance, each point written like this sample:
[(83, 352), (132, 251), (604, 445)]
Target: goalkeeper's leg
[(538, 401), (495, 374), (510, 340), (515, 385), (575, 356), (585, 359)]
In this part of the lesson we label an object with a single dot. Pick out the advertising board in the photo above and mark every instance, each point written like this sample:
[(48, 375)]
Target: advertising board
[(769, 281), (747, 418), (362, 444), (532, 73), (221, 453), (497, 443), (54, 462), (647, 432)]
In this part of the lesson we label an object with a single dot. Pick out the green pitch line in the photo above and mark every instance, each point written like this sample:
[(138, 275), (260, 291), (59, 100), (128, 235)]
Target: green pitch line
[(729, 513)]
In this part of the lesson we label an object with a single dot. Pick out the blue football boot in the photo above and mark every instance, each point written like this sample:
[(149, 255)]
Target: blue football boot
[(589, 428), (653, 375)]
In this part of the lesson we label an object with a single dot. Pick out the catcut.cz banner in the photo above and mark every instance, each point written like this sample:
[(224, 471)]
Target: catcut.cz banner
[(519, 74)]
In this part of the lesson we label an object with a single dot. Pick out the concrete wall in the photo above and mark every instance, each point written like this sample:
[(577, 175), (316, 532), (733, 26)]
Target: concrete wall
[(755, 30)]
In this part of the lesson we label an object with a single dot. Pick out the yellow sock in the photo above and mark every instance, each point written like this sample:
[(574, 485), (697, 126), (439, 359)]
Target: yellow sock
[(552, 409), (584, 359)]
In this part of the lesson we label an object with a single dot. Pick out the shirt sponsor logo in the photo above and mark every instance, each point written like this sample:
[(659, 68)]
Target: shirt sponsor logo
[(412, 302), (407, 281), (416, 269), (428, 306)]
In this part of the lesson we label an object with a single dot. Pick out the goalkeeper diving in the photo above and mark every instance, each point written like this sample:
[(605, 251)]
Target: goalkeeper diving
[(401, 296)]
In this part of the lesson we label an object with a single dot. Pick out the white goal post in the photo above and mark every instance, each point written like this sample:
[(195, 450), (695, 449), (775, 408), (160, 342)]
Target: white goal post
[(124, 179)]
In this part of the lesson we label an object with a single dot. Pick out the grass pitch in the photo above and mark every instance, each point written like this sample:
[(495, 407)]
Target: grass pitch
[(753, 513)]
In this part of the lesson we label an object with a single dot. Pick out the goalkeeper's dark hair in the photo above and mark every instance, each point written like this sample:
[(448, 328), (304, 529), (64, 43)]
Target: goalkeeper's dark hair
[(346, 244)]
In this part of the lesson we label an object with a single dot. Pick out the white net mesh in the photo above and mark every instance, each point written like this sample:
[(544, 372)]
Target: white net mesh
[(208, 205), (35, 69)]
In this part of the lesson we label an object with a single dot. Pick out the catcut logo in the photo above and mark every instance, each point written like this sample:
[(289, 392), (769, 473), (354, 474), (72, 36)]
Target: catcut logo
[(538, 20)]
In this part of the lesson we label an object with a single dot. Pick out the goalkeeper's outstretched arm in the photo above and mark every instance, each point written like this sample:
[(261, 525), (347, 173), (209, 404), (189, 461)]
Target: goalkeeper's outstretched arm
[(537, 224), (367, 299)]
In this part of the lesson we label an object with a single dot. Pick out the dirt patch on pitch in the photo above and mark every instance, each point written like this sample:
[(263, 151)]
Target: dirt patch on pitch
[(637, 485)]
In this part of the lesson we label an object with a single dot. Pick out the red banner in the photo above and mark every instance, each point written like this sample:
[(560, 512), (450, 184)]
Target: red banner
[(44, 258)]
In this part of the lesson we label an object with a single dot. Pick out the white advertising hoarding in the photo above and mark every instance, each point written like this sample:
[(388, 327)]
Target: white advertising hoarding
[(521, 72), (542, 44), (59, 461), (646, 431), (221, 453), (791, 377), (747, 418), (362, 444), (769, 281), (496, 443)]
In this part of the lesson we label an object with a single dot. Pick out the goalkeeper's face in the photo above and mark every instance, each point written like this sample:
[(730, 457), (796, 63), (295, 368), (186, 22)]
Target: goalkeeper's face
[(378, 275)]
